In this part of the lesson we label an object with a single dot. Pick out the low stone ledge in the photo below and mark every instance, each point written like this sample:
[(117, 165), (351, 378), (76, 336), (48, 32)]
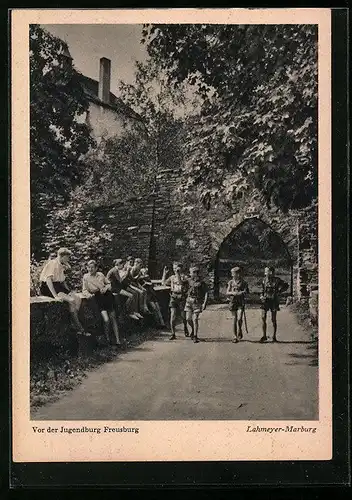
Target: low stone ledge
[(51, 323)]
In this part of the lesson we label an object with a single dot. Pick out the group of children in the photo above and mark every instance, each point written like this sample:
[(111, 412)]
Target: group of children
[(189, 295), (237, 290), (128, 286)]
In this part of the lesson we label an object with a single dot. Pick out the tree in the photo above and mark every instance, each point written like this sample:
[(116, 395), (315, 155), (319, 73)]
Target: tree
[(59, 138), (73, 226), (163, 111), (258, 124), (127, 165), (120, 168)]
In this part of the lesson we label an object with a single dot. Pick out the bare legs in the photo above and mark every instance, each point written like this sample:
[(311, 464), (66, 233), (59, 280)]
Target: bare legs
[(264, 337), (142, 298), (237, 324), (274, 322), (157, 313), (132, 304), (193, 322), (106, 324), (74, 303), (107, 317), (115, 327), (173, 317), (184, 320)]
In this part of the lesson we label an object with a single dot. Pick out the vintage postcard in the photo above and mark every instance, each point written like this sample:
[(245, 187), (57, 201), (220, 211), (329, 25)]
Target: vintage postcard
[(171, 235)]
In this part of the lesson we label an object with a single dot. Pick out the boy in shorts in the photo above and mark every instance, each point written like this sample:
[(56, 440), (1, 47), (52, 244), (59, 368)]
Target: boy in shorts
[(128, 303), (272, 287), (196, 301), (53, 284), (96, 285), (152, 299), (237, 289), (136, 284), (178, 284)]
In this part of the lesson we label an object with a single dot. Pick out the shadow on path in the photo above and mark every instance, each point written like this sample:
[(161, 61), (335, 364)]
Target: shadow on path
[(295, 342), (269, 341), (217, 340), (310, 358)]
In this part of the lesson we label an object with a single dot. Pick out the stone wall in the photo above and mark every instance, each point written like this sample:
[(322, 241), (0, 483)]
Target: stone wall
[(131, 224), (186, 231), (51, 327), (169, 226)]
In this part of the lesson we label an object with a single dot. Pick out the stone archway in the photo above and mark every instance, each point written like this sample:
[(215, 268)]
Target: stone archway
[(285, 254)]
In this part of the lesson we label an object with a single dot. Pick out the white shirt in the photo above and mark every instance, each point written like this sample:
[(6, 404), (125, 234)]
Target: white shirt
[(53, 269), (94, 283)]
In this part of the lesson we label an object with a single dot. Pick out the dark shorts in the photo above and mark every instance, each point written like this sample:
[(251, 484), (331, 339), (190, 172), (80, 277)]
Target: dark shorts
[(105, 301), (270, 305), (193, 305), (235, 305), (177, 302), (237, 309), (59, 287)]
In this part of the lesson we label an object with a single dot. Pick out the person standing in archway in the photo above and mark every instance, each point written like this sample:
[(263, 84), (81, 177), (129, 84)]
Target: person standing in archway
[(272, 288), (237, 289)]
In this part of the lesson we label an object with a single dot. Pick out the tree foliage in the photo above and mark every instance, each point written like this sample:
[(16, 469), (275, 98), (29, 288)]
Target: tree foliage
[(72, 225), (119, 168), (59, 138), (258, 124), (162, 109), (126, 166), (252, 241)]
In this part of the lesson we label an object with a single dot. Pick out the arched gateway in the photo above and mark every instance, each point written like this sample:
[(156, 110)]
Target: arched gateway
[(252, 244)]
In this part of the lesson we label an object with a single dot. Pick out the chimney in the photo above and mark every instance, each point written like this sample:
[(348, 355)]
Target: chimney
[(104, 80)]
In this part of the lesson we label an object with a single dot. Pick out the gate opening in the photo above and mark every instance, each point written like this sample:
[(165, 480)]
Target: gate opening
[(252, 245)]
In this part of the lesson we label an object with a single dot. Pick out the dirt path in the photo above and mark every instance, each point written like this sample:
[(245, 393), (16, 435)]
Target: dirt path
[(214, 379)]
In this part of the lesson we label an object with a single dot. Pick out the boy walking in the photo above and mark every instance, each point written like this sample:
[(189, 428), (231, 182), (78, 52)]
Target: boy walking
[(196, 301), (178, 284), (237, 289), (272, 287)]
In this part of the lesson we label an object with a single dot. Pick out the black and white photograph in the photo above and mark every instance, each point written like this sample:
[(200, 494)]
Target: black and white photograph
[(174, 222)]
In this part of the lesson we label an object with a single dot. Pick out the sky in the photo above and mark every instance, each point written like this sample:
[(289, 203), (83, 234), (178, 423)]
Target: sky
[(89, 42)]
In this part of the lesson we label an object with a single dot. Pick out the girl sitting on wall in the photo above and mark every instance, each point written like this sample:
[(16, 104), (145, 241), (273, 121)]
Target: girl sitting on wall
[(96, 285)]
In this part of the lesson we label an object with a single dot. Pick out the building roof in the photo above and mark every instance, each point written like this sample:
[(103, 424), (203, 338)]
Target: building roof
[(91, 87), (65, 51)]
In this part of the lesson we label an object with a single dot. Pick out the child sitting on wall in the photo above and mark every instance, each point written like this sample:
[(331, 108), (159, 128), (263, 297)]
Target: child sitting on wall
[(96, 285), (136, 284), (118, 277), (152, 300)]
